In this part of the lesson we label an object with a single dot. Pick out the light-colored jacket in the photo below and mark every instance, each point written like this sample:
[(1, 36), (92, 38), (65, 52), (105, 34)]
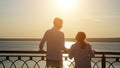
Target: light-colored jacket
[(82, 57)]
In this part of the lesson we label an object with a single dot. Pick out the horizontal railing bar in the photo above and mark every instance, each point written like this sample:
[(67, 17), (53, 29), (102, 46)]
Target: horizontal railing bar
[(24, 52), (42, 56), (20, 56), (108, 53), (43, 52)]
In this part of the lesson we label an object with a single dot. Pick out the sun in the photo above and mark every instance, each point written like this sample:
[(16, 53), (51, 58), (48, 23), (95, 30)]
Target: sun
[(66, 4)]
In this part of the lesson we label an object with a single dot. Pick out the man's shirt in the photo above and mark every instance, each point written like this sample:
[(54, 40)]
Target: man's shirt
[(55, 43)]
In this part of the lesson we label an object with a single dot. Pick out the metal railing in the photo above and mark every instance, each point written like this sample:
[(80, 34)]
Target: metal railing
[(37, 59)]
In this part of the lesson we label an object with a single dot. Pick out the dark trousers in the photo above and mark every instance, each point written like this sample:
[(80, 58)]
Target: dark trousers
[(54, 64)]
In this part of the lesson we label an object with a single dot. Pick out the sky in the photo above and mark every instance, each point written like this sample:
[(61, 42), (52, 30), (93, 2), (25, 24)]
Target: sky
[(31, 18)]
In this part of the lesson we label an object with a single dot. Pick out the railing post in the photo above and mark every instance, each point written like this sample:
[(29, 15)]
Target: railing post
[(103, 61)]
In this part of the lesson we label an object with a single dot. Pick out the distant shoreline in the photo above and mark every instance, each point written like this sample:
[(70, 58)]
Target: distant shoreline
[(67, 39)]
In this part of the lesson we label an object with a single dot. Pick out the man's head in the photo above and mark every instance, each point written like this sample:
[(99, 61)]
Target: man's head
[(58, 22)]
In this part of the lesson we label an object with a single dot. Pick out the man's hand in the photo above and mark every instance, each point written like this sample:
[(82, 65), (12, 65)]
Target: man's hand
[(66, 50)]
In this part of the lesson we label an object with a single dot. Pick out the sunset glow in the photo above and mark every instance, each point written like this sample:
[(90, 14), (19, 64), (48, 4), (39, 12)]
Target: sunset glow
[(97, 18), (65, 4)]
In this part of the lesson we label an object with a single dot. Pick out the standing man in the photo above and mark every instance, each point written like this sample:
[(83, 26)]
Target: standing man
[(55, 44)]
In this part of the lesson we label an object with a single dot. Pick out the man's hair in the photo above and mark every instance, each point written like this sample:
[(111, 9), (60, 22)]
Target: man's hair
[(57, 21)]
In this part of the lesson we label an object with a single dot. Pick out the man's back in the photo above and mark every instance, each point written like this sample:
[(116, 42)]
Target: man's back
[(55, 44)]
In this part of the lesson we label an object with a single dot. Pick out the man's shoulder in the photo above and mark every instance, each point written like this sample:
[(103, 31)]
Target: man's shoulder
[(61, 32), (54, 31), (48, 30)]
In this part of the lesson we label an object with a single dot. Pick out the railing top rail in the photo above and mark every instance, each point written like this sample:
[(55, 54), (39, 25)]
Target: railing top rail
[(23, 52), (108, 53), (43, 52)]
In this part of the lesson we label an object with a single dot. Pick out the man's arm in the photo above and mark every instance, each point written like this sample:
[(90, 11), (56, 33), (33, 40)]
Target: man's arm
[(63, 43), (42, 42), (71, 52)]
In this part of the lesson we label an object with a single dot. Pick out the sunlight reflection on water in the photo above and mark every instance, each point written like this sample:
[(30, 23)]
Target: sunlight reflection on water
[(68, 44)]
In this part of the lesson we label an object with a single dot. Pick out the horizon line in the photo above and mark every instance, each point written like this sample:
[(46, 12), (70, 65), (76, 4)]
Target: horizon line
[(66, 39)]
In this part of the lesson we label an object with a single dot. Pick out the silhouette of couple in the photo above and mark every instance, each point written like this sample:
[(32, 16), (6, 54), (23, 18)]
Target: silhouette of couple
[(81, 51)]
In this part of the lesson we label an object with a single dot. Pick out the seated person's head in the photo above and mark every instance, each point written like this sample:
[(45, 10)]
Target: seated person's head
[(81, 36)]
